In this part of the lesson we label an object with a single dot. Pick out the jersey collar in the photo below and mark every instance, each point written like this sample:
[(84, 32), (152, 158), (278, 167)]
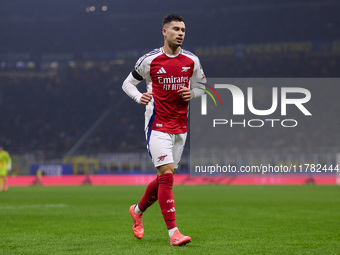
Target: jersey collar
[(170, 55)]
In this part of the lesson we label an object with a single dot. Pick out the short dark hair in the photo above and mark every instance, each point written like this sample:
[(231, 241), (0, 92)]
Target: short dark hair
[(172, 17)]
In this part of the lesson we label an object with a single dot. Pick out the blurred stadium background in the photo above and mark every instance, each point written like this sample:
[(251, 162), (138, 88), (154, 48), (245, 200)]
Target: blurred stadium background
[(62, 64)]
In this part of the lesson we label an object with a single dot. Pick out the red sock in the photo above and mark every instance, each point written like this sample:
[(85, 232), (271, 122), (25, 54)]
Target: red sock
[(166, 199), (150, 195)]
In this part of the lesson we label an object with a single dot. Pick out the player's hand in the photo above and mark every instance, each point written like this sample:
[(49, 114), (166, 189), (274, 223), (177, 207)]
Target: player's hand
[(9, 166), (185, 93), (146, 98)]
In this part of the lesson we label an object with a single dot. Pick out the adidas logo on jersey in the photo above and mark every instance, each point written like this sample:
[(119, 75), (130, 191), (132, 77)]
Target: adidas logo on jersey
[(172, 209), (162, 70)]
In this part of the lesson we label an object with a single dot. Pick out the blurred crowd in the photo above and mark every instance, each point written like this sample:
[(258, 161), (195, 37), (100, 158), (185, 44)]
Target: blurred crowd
[(51, 114), (63, 26), (82, 107)]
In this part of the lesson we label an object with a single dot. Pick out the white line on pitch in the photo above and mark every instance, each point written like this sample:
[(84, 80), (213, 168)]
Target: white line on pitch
[(11, 207)]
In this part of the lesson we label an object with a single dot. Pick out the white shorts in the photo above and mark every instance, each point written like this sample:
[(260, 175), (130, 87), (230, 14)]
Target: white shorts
[(165, 148)]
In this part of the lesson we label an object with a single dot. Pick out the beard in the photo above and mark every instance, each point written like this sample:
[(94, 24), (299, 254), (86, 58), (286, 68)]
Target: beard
[(175, 43)]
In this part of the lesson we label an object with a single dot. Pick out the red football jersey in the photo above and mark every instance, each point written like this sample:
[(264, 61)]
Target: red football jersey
[(164, 75)]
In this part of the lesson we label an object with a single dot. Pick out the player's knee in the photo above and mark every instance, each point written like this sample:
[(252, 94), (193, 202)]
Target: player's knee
[(165, 169)]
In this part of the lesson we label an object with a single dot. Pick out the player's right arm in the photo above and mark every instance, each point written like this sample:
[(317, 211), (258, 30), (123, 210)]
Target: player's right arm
[(130, 88)]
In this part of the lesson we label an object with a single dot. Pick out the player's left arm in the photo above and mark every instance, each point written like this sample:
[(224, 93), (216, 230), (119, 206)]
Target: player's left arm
[(197, 78), (185, 93)]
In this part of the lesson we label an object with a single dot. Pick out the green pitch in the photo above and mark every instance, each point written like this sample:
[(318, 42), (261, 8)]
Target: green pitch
[(219, 219)]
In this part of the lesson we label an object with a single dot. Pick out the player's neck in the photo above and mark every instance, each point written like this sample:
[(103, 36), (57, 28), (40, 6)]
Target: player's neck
[(174, 50)]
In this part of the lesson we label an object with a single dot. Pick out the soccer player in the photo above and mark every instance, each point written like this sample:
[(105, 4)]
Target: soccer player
[(5, 166), (172, 75)]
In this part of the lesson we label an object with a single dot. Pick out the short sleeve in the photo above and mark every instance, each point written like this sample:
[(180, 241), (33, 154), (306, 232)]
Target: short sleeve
[(142, 67)]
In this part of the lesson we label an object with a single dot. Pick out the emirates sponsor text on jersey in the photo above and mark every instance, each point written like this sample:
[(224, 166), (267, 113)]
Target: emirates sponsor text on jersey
[(173, 83)]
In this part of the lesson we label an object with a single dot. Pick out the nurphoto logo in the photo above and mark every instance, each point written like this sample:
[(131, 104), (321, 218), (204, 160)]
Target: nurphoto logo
[(295, 96)]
